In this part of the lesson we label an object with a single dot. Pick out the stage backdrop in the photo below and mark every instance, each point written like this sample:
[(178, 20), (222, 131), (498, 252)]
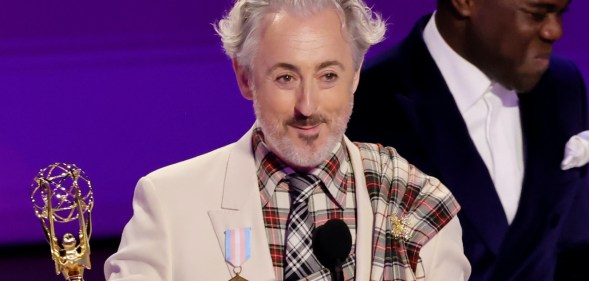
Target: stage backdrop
[(121, 88)]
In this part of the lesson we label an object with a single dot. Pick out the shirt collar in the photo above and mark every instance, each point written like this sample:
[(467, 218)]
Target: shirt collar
[(466, 82), (271, 170)]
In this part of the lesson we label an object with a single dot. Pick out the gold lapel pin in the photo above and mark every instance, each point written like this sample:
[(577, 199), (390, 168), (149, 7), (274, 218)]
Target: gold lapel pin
[(400, 227)]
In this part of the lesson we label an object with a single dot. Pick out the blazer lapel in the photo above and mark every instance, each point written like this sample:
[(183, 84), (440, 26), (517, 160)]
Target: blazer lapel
[(439, 123), (241, 207), (364, 216), (544, 138)]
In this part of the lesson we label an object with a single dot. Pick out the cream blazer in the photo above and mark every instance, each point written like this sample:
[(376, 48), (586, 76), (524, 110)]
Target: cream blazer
[(181, 212)]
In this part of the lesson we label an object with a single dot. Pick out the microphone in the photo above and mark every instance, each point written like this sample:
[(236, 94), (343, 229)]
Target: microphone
[(332, 243)]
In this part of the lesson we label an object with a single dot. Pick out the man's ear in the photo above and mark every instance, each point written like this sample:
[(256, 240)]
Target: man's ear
[(243, 79), (463, 7)]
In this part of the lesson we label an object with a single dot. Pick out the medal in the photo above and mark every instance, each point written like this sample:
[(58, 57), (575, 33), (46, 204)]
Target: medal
[(237, 249)]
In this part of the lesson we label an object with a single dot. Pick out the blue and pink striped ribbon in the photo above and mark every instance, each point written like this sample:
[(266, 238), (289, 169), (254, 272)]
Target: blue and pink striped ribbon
[(237, 246)]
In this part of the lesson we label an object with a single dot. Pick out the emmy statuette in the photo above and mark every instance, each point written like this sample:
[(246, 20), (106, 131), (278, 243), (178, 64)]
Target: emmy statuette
[(62, 199)]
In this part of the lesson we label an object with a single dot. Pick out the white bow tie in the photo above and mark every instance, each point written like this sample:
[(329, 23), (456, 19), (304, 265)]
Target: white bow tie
[(576, 151)]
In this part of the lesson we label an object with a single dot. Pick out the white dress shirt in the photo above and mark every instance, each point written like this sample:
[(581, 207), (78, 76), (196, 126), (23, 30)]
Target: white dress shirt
[(491, 114)]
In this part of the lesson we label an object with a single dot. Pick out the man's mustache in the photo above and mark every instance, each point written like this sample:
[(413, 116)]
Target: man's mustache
[(306, 121)]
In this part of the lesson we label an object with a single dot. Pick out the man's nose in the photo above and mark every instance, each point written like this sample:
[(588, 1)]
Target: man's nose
[(307, 99), (552, 29)]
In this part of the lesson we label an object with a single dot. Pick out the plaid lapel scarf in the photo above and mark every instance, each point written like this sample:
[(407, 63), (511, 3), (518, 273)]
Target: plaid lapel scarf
[(409, 209), (300, 260)]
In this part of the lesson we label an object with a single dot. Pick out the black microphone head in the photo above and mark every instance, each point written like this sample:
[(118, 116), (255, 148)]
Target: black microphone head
[(332, 243)]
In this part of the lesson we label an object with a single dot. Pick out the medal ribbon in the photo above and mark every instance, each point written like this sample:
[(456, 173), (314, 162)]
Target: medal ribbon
[(237, 246)]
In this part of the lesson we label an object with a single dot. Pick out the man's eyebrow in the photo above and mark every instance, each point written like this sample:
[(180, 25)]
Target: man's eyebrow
[(331, 63), (548, 6), (294, 68), (284, 65)]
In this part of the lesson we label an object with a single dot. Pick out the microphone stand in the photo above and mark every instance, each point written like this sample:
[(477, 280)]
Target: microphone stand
[(337, 273)]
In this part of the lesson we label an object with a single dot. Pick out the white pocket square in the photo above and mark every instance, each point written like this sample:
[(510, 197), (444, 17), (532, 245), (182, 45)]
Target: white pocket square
[(576, 151)]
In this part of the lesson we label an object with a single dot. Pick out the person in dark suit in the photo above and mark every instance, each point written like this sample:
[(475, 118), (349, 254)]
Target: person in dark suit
[(474, 97)]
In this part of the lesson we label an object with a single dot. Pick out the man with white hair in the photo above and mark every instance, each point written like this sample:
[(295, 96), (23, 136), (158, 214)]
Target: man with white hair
[(253, 209)]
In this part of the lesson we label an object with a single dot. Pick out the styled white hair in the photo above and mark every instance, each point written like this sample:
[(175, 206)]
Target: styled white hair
[(238, 28)]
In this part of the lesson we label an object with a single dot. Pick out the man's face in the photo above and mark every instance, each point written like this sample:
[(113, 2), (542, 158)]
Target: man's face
[(511, 40), (303, 81)]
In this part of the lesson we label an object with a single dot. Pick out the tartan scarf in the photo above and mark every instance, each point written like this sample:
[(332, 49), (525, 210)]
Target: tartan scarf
[(409, 209)]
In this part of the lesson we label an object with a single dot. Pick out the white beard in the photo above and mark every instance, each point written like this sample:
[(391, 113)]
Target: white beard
[(311, 154)]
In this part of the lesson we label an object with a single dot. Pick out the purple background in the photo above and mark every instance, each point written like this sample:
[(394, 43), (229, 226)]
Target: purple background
[(124, 87)]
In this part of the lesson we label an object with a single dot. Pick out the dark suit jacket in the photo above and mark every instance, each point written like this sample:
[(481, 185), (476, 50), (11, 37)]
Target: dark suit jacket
[(404, 102)]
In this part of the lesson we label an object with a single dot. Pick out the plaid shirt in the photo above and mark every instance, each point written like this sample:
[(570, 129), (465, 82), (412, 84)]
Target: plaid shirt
[(333, 197)]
